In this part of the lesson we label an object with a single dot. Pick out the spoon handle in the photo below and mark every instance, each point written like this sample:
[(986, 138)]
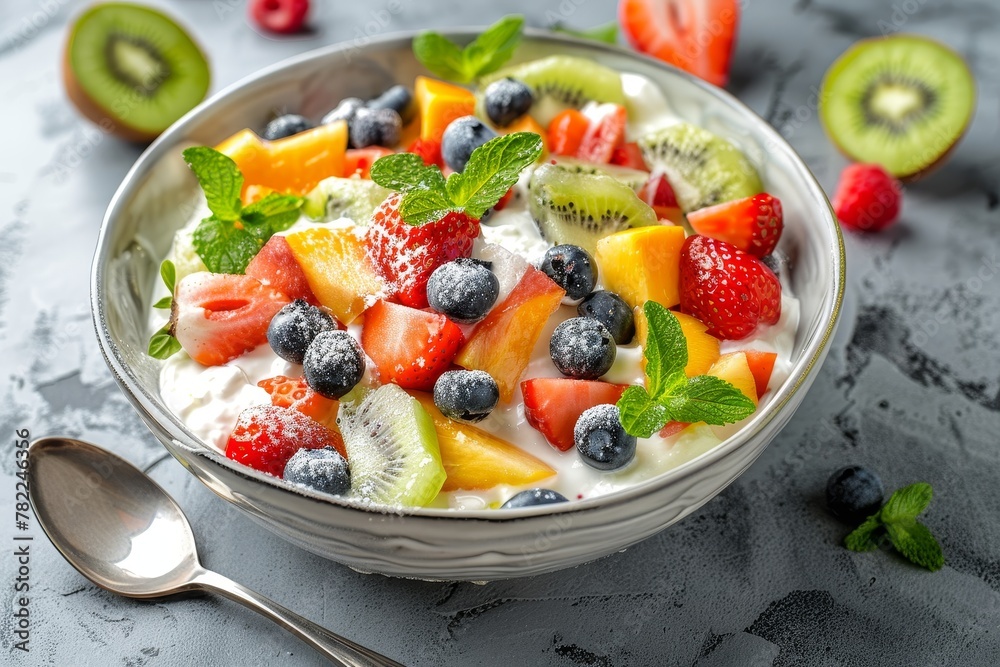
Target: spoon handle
[(340, 651)]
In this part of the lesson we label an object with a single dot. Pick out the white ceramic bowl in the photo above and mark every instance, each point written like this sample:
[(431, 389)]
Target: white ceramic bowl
[(436, 543)]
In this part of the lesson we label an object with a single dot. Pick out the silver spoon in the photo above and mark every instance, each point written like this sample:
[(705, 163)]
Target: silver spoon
[(127, 535)]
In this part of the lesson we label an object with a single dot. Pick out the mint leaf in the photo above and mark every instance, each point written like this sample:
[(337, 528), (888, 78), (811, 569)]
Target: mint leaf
[(639, 414), (485, 54), (492, 170), (665, 351), (277, 211), (168, 273), (711, 400), (420, 207), (914, 541), (866, 536), (220, 179), (162, 344), (225, 246), (907, 503), (403, 172), (607, 33), (165, 302)]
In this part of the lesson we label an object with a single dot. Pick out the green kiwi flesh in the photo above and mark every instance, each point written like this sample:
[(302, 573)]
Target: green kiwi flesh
[(354, 198), (634, 178), (392, 449), (901, 101), (132, 69), (569, 80), (703, 168), (581, 208)]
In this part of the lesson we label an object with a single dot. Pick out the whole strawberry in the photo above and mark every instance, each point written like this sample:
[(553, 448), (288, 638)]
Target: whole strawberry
[(406, 255), (868, 198), (727, 289)]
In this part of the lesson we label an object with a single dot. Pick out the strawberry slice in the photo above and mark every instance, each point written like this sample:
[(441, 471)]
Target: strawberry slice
[(604, 136), (429, 151), (286, 392), (266, 436), (552, 405), (406, 255), (671, 429), (360, 160), (629, 155), (753, 224), (695, 35), (729, 290), (660, 195), (410, 347), (565, 132), (216, 317), (761, 366), (275, 266)]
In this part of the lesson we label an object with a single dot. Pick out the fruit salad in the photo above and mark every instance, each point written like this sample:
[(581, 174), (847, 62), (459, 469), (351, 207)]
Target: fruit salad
[(538, 288)]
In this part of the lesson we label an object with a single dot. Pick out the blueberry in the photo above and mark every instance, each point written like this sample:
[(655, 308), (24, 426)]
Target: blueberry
[(533, 497), (610, 310), (321, 469), (582, 348), (334, 363), (775, 261), (286, 126), (398, 98), (463, 289), (854, 493), (507, 100), (345, 110), (375, 127), (467, 396), (601, 440), (294, 327), (461, 137), (572, 268)]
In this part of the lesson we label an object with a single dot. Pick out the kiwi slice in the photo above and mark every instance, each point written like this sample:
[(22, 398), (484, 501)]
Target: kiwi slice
[(580, 208), (133, 70), (354, 198), (570, 80), (393, 449), (704, 169), (902, 102), (634, 178)]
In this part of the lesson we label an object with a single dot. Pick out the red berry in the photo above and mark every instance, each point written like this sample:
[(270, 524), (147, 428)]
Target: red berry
[(603, 137), (276, 267), (406, 255), (429, 151), (629, 155), (286, 392), (868, 198), (266, 436), (552, 405), (729, 290), (281, 16), (753, 224)]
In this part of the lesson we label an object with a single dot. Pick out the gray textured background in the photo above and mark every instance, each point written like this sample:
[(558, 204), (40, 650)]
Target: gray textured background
[(757, 577)]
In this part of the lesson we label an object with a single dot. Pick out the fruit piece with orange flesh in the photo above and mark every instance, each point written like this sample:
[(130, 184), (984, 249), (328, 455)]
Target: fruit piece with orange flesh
[(734, 369), (337, 270), (702, 347), (439, 104), (761, 365), (502, 344), (476, 460), (642, 264), (528, 124), (292, 165)]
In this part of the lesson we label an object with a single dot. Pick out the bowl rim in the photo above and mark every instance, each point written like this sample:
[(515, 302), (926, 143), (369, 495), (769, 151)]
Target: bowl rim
[(813, 351)]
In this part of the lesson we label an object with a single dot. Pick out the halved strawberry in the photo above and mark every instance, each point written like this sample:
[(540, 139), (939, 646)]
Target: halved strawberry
[(360, 160), (410, 347), (552, 405), (406, 255), (695, 35), (276, 267), (429, 151), (729, 290), (660, 195), (286, 392), (603, 137), (629, 155), (753, 224), (565, 132), (266, 436), (217, 317), (761, 365)]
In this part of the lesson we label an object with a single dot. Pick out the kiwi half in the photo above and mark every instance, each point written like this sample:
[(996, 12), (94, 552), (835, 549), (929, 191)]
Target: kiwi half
[(703, 168), (580, 208), (570, 80), (902, 101), (393, 449), (634, 178), (132, 69), (354, 198)]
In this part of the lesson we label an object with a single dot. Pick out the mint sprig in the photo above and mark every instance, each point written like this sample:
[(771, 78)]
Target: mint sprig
[(163, 344), (485, 54), (228, 239), (607, 33), (671, 395), (897, 523), (491, 171)]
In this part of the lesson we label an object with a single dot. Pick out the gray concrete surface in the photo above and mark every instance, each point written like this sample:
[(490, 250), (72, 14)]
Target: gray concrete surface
[(757, 577)]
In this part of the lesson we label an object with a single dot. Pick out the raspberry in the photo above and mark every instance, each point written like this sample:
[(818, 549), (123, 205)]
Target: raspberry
[(868, 199)]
